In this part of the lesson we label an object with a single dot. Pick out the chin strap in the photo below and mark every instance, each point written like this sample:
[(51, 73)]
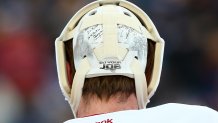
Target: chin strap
[(78, 82), (140, 84)]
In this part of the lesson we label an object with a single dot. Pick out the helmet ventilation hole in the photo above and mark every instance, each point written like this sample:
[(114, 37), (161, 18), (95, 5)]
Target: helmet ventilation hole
[(136, 57), (93, 13), (126, 13)]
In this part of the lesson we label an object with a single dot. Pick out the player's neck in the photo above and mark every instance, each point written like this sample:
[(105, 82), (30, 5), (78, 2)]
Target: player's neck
[(115, 103)]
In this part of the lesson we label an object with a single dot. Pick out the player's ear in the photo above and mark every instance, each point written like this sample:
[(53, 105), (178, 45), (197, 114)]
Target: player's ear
[(69, 74)]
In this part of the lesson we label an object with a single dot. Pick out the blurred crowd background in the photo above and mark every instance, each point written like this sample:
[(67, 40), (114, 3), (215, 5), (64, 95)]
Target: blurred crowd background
[(29, 90)]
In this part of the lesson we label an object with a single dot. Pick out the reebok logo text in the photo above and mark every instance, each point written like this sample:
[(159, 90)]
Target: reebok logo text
[(106, 121)]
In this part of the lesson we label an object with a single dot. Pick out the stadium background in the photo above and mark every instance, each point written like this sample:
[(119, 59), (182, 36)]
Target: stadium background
[(29, 90)]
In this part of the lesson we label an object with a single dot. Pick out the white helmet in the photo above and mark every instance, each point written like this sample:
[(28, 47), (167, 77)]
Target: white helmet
[(109, 37)]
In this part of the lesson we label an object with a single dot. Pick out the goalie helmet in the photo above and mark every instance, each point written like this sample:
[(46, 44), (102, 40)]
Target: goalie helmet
[(109, 37)]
